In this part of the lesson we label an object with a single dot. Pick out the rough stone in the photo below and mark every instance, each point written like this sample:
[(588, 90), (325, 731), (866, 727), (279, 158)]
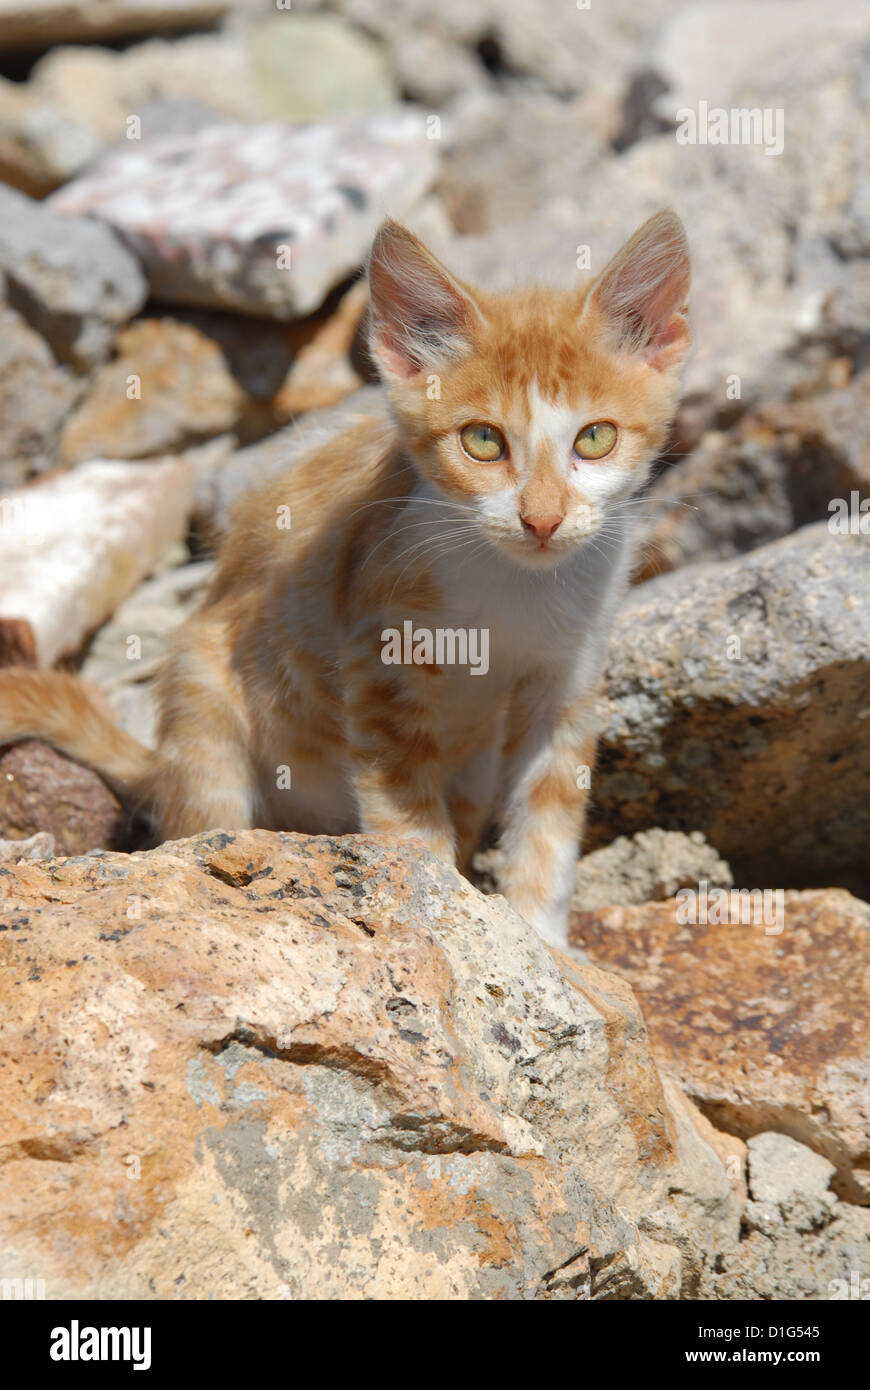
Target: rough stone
[(43, 793), (30, 23), (787, 1174), (78, 543), (653, 864), (35, 397), (763, 1026), (38, 846), (782, 466), (209, 213), (80, 100), (69, 277), (313, 1068), (169, 386), (737, 696)]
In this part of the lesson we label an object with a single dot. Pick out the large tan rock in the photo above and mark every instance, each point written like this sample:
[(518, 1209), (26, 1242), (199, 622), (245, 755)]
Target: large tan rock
[(259, 1065), (766, 1029)]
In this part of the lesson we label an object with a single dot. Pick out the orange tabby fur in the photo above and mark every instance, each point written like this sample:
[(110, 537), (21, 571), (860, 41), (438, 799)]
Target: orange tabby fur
[(282, 667)]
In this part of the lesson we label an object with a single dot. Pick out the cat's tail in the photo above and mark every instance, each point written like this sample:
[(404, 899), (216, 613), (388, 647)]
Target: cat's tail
[(61, 709)]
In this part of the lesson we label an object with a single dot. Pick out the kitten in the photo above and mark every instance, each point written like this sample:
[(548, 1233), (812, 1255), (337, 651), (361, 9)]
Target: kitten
[(423, 647)]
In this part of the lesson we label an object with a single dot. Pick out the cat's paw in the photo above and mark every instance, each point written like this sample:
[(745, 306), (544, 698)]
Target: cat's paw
[(551, 925)]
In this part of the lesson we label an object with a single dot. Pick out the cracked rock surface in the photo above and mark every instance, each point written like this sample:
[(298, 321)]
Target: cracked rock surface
[(260, 1065)]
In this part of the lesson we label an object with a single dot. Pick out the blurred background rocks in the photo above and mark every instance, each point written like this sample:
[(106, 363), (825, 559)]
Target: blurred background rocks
[(188, 190), (187, 194)]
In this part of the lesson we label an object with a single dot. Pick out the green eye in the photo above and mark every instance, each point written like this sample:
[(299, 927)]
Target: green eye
[(483, 442), (596, 440)]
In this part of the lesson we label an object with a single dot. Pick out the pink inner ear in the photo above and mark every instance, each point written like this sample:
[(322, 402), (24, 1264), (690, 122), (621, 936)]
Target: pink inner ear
[(669, 344), (394, 357), (644, 290)]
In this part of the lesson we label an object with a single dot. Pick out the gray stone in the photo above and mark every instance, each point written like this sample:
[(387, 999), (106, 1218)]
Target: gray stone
[(738, 693), (258, 218), (781, 467), (70, 277), (782, 1171), (653, 864), (36, 395)]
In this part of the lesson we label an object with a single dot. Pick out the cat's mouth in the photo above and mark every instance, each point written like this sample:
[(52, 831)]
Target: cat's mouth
[(537, 554)]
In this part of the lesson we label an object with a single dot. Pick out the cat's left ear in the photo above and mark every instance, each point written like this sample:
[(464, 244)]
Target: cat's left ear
[(643, 292), (420, 315)]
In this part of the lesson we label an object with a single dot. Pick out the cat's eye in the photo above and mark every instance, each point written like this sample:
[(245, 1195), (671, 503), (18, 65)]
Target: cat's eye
[(596, 440), (484, 443)]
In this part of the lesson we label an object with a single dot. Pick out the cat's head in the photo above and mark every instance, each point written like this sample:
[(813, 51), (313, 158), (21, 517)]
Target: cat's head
[(539, 410)]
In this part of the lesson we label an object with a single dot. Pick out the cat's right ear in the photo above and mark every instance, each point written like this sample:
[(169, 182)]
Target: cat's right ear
[(643, 293), (420, 315)]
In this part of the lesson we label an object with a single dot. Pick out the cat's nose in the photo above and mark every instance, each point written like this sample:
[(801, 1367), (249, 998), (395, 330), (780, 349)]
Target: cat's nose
[(542, 526)]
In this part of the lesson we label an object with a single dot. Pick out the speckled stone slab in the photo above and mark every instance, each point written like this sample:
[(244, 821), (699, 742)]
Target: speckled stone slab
[(263, 219)]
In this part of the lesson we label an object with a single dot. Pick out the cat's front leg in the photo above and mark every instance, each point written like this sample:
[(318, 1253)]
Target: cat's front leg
[(395, 757), (549, 753)]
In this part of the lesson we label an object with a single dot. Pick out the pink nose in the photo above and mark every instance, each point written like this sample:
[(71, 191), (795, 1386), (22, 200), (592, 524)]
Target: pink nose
[(542, 526)]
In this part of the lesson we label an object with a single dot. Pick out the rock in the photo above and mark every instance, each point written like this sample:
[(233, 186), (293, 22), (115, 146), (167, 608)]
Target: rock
[(563, 46), (651, 865), (791, 1177), (69, 277), (707, 52), (125, 654), (78, 101), (38, 150), (777, 469), (211, 373), (433, 52), (492, 174), (30, 23), (169, 386), (209, 213), (323, 371), (327, 1068), (314, 66), (35, 396), (38, 846), (78, 543), (43, 794), (737, 693), (758, 1026), (779, 1261), (814, 70)]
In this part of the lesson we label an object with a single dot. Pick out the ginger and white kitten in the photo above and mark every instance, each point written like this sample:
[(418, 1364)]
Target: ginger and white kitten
[(486, 494)]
